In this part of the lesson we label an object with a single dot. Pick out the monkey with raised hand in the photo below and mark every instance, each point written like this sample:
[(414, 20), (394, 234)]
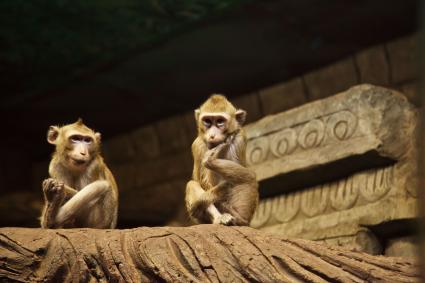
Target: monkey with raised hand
[(81, 190), (222, 189)]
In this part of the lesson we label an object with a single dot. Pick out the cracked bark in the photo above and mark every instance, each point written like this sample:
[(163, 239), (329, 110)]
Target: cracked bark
[(203, 253)]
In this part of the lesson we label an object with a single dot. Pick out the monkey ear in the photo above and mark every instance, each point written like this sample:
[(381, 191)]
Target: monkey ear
[(197, 113), (98, 137), (240, 116), (52, 134)]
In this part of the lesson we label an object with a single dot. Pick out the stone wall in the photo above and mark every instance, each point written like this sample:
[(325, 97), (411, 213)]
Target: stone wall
[(153, 163), (340, 170)]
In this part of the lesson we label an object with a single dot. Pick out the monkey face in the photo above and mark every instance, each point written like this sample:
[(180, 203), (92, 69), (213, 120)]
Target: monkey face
[(80, 150), (76, 145), (216, 119), (215, 128)]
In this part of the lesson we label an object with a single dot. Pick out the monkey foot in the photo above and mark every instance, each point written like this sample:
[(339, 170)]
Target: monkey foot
[(224, 219), (53, 189)]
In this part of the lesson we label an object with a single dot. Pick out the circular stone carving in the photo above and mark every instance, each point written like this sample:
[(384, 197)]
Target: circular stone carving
[(283, 142), (311, 134), (257, 149), (342, 125)]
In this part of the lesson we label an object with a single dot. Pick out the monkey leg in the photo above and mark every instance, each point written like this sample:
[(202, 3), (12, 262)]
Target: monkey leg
[(200, 205), (53, 196), (82, 200), (241, 203)]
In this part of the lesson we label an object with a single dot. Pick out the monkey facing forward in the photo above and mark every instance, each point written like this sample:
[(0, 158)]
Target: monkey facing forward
[(81, 190), (222, 189)]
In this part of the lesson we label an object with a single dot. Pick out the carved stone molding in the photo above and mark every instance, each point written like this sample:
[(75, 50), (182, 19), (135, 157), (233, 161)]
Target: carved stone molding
[(357, 190), (364, 127)]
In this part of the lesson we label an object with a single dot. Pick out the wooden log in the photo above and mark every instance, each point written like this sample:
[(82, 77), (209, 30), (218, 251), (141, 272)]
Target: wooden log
[(203, 253)]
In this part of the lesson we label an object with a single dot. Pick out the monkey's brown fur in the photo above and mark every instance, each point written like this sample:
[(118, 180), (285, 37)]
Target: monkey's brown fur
[(220, 179), (81, 190)]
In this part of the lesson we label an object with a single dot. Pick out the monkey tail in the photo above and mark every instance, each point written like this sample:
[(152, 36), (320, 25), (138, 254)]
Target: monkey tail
[(84, 199)]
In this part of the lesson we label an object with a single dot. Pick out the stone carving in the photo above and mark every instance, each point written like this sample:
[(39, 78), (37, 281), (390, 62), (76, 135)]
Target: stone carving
[(257, 150), (340, 125), (311, 134), (374, 185), (283, 142), (343, 193), (364, 123), (314, 201), (333, 167), (288, 208), (283, 209), (356, 190)]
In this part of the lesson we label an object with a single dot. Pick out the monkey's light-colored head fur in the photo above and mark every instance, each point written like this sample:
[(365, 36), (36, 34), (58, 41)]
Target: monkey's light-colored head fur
[(219, 104), (61, 132)]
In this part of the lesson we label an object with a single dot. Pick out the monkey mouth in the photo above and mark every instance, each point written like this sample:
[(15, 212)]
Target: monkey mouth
[(79, 162)]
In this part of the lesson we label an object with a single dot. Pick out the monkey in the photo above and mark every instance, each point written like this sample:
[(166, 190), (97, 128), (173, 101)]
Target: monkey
[(81, 191), (222, 190)]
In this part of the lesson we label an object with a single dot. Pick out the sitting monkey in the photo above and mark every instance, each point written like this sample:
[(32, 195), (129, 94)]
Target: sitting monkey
[(222, 189), (81, 190)]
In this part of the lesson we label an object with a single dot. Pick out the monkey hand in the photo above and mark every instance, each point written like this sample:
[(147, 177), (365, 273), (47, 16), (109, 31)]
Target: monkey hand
[(224, 219), (214, 153), (53, 189)]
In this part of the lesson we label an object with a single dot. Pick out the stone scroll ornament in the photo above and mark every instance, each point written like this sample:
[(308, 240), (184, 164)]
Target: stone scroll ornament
[(203, 253), (363, 121), (351, 156)]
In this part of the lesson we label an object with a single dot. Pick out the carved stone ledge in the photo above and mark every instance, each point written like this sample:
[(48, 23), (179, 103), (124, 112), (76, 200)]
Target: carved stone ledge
[(345, 200), (364, 127)]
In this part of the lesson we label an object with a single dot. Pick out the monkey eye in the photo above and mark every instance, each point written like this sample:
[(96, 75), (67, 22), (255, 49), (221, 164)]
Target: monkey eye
[(220, 122), (75, 139), (87, 140), (207, 122)]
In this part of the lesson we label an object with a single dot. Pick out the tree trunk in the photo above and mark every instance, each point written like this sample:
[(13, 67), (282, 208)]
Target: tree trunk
[(203, 253)]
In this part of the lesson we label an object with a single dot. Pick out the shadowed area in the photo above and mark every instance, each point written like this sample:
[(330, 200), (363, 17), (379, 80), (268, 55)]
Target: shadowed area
[(121, 65)]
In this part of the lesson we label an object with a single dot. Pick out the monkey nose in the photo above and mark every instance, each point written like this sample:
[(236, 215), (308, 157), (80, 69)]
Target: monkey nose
[(83, 153)]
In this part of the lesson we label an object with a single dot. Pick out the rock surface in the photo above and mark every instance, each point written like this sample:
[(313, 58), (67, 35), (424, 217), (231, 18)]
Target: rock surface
[(204, 253)]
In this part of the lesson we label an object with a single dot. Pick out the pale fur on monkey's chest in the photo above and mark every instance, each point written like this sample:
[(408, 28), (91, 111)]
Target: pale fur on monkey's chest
[(209, 178)]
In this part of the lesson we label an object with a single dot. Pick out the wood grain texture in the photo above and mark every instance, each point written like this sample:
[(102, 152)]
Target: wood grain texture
[(202, 253)]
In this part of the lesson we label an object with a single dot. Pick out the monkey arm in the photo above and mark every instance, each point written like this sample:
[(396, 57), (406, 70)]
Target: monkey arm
[(49, 212), (198, 150), (69, 192), (230, 170), (53, 197), (84, 198)]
